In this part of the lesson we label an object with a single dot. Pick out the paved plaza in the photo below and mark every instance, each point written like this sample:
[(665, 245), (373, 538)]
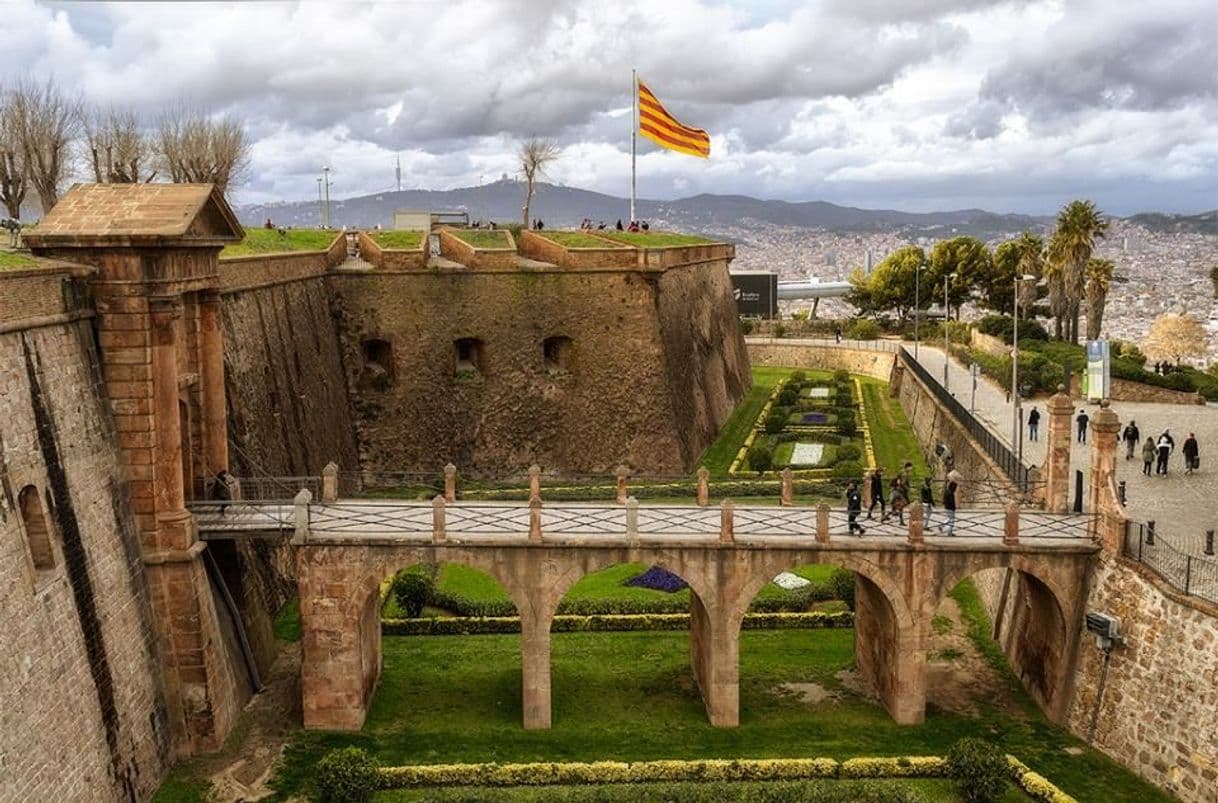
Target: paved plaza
[(1182, 506)]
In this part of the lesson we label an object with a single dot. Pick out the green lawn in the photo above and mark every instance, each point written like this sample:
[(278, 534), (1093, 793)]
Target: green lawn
[(655, 239), (630, 696), (398, 240), (482, 238), (782, 455), (718, 458), (576, 239), (270, 241), (10, 259), (892, 437)]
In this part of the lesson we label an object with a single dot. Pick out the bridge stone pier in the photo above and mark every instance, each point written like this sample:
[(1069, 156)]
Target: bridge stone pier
[(725, 557)]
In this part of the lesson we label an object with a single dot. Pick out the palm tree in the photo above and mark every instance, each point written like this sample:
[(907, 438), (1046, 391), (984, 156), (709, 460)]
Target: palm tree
[(1055, 272), (1079, 225), (1031, 250), (1099, 279)]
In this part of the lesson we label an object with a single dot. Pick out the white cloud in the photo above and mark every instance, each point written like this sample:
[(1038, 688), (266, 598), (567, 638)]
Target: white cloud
[(1000, 103)]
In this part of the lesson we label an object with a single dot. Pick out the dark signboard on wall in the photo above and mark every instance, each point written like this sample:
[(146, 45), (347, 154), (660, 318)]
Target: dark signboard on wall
[(756, 293)]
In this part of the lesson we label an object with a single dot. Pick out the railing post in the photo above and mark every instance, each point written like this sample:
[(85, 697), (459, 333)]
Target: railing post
[(1150, 532), (438, 532), (1209, 542), (703, 486), (622, 471), (822, 523), (301, 515), (1188, 572), (787, 488), (329, 482), (727, 531), (535, 521), (915, 525), (450, 483), (632, 521), (1010, 525), (534, 482)]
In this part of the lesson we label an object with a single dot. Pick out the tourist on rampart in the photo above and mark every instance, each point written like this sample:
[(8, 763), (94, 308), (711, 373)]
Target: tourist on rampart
[(928, 501), (877, 492), (1082, 420), (1034, 425), (949, 507), (222, 489), (898, 498), (1192, 459), (1148, 455), (854, 506), (619, 224), (1132, 438), (1164, 447), (837, 332)]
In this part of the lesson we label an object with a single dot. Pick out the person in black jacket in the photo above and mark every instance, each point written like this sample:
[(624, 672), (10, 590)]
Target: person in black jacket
[(854, 506), (877, 492), (949, 507), (1082, 420), (1191, 452), (1132, 438), (1034, 425), (928, 501)]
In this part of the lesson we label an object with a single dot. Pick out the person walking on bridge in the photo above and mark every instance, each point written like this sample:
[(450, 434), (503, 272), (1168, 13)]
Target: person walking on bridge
[(1148, 455), (949, 507), (877, 492), (1132, 438), (1165, 446), (928, 501), (1034, 425), (854, 506), (1082, 420), (1192, 461)]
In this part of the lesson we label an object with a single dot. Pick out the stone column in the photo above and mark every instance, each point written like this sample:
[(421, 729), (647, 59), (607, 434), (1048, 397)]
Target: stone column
[(727, 530), (1010, 525), (329, 482), (715, 658), (450, 483), (703, 486), (333, 632), (535, 651), (1057, 452), (174, 529), (916, 524), (534, 482), (1105, 425), (822, 523), (788, 491), (622, 471), (211, 370)]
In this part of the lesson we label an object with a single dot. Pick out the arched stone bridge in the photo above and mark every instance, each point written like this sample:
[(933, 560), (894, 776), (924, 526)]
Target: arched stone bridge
[(346, 549)]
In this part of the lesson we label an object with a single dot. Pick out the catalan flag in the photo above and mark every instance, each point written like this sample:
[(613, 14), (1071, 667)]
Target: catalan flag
[(663, 129)]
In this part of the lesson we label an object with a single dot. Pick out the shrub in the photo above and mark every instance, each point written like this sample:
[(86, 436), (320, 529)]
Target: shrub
[(842, 584), (979, 769), (841, 375), (847, 424), (789, 394), (863, 329), (798, 378), (413, 590), (1124, 350), (846, 470), (746, 326), (776, 421), (761, 456), (759, 617), (849, 451), (1002, 326), (348, 775), (780, 330)]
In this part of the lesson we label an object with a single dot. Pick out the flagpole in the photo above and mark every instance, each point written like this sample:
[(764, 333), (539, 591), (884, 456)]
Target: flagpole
[(634, 127)]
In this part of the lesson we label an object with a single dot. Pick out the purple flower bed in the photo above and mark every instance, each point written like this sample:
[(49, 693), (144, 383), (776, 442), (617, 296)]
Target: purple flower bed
[(816, 418), (657, 579)]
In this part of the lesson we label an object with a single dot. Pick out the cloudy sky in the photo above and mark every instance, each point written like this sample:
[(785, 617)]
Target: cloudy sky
[(912, 104)]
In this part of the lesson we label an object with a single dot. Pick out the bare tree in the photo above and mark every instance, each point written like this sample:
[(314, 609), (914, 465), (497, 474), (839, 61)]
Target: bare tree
[(46, 121), (13, 181), (196, 148), (1173, 337), (535, 155), (119, 149)]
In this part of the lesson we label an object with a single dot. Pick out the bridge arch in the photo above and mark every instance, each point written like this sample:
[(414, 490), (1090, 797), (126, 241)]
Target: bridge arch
[(889, 652), (1034, 604)]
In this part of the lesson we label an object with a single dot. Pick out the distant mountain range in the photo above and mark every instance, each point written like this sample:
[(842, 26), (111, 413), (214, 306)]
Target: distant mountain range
[(565, 207)]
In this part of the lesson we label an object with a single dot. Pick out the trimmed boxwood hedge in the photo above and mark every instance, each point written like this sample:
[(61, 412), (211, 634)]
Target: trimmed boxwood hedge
[(562, 623)]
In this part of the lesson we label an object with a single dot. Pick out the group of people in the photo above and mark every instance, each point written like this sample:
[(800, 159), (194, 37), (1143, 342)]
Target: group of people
[(586, 225), (1159, 451), (899, 498)]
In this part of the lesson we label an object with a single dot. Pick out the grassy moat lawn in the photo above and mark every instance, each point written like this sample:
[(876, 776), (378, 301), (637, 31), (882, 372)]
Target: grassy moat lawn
[(630, 696)]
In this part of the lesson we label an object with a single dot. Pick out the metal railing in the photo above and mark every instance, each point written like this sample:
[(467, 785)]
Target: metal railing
[(1195, 575), (995, 447), (272, 489), (882, 345)]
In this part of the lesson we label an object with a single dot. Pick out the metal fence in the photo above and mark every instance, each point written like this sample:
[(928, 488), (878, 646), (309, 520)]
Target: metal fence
[(1195, 575), (995, 447), (886, 346), (274, 489)]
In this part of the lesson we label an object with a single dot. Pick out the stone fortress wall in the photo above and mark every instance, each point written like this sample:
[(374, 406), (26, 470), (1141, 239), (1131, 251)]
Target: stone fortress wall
[(82, 708)]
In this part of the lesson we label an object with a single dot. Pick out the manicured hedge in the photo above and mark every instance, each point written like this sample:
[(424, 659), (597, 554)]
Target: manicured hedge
[(1035, 785), (563, 623), (814, 791)]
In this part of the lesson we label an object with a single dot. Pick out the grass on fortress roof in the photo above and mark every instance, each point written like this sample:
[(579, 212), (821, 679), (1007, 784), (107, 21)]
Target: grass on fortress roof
[(655, 239), (11, 259), (482, 238), (398, 240), (630, 696), (270, 241), (577, 239)]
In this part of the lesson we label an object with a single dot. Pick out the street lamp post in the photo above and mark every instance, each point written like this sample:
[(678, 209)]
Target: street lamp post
[(1016, 443), (946, 319), (917, 311)]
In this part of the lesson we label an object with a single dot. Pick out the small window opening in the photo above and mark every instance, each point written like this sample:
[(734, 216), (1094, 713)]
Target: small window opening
[(378, 363), (469, 355), (37, 533), (557, 353)]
